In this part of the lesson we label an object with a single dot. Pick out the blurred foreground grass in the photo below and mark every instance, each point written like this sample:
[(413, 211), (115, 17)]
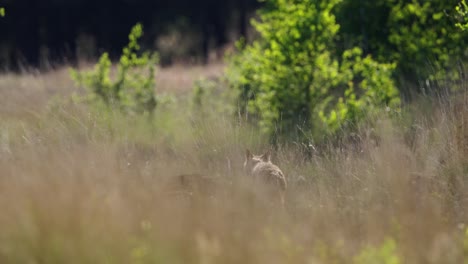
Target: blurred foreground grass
[(89, 185)]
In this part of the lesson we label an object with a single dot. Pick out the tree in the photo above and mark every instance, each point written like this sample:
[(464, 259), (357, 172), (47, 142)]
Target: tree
[(292, 79), (133, 89), (419, 36), (425, 39), (462, 13)]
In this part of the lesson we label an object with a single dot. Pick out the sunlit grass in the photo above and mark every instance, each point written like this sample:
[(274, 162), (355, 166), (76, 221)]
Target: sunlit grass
[(83, 184)]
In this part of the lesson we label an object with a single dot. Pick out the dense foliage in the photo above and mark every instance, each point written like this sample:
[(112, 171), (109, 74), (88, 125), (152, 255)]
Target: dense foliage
[(425, 38), (293, 79), (462, 13), (420, 36), (322, 65), (133, 88)]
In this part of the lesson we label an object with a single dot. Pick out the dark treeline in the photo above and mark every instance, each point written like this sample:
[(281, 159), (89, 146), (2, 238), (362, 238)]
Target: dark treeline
[(35, 32)]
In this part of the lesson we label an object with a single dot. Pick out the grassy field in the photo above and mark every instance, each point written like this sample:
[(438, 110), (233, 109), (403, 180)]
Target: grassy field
[(86, 185)]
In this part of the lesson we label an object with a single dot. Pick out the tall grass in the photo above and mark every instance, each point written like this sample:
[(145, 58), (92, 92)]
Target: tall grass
[(87, 185)]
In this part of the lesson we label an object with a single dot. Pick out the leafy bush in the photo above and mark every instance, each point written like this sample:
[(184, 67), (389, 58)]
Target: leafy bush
[(368, 85), (419, 36), (292, 79), (425, 39), (133, 87), (462, 12)]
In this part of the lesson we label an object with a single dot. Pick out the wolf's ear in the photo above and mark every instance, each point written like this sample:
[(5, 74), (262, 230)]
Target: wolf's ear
[(248, 154), (266, 156)]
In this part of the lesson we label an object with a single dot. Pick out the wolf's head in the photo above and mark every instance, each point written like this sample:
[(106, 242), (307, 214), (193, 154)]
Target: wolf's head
[(252, 160)]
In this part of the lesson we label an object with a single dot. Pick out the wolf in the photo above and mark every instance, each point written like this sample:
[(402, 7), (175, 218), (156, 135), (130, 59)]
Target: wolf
[(263, 170)]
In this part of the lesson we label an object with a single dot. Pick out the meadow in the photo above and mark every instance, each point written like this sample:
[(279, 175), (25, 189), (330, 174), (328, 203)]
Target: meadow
[(80, 184)]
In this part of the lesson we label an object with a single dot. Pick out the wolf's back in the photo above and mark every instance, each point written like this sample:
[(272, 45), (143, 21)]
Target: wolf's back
[(270, 173)]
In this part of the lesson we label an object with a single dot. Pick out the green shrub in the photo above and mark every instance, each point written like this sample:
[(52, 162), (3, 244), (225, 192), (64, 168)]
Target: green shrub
[(419, 36), (462, 13), (292, 79), (384, 254), (425, 40), (368, 85), (133, 88)]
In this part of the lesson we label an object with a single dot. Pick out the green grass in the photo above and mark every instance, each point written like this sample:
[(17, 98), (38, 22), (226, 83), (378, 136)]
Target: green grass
[(83, 184)]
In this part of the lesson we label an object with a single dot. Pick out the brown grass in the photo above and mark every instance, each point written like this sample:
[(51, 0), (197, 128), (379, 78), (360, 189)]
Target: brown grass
[(84, 186)]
